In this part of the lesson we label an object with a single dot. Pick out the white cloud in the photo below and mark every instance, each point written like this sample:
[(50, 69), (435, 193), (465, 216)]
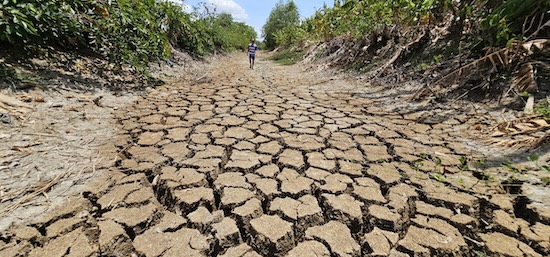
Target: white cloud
[(229, 6), (186, 8)]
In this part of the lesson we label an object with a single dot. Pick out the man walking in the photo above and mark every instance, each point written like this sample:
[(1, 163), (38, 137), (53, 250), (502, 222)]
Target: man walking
[(252, 47)]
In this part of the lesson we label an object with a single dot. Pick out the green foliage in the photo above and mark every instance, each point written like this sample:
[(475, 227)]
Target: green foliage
[(8, 74), (289, 36), (508, 19), (543, 108), (356, 18), (41, 21), (282, 16), (533, 157), (15, 22), (463, 163), (438, 177), (124, 38), (501, 21), (132, 32), (233, 35), (217, 32), (513, 169), (287, 57)]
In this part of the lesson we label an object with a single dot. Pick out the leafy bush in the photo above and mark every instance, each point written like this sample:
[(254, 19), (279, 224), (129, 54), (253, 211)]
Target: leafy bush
[(543, 108), (15, 22), (500, 20), (356, 18), (515, 18), (231, 35), (132, 32), (289, 36), (41, 22), (8, 74)]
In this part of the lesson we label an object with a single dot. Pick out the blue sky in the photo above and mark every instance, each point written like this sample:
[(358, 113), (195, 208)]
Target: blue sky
[(256, 12)]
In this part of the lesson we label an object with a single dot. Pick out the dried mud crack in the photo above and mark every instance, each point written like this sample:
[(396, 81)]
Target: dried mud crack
[(275, 162)]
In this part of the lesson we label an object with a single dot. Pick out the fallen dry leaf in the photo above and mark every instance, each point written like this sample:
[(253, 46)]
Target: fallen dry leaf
[(538, 43), (23, 148), (541, 122), (20, 149), (39, 99), (25, 98), (498, 134), (4, 154), (524, 126), (73, 109)]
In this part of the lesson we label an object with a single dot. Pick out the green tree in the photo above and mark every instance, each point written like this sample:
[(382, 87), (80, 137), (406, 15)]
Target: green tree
[(232, 35), (282, 16), (125, 32), (225, 19)]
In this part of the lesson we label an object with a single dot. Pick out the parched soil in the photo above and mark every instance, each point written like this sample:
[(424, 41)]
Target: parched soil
[(279, 162)]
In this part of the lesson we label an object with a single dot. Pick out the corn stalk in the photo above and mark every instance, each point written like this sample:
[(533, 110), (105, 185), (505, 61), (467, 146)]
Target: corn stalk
[(513, 58)]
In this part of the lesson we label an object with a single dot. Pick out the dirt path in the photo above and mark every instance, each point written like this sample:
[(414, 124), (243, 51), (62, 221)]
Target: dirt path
[(277, 162)]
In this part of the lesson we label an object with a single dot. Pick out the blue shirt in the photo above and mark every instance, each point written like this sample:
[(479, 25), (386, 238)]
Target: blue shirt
[(252, 49)]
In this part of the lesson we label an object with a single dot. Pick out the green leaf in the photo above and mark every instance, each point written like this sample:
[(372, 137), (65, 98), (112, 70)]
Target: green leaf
[(9, 29), (349, 5), (533, 157)]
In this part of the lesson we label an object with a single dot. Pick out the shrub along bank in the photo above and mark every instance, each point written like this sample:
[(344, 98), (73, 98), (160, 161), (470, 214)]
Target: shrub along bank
[(124, 32)]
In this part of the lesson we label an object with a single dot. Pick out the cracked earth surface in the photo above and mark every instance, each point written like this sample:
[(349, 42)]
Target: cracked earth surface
[(276, 162)]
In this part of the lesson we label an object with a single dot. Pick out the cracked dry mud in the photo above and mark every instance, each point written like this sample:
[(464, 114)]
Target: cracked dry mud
[(275, 162)]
